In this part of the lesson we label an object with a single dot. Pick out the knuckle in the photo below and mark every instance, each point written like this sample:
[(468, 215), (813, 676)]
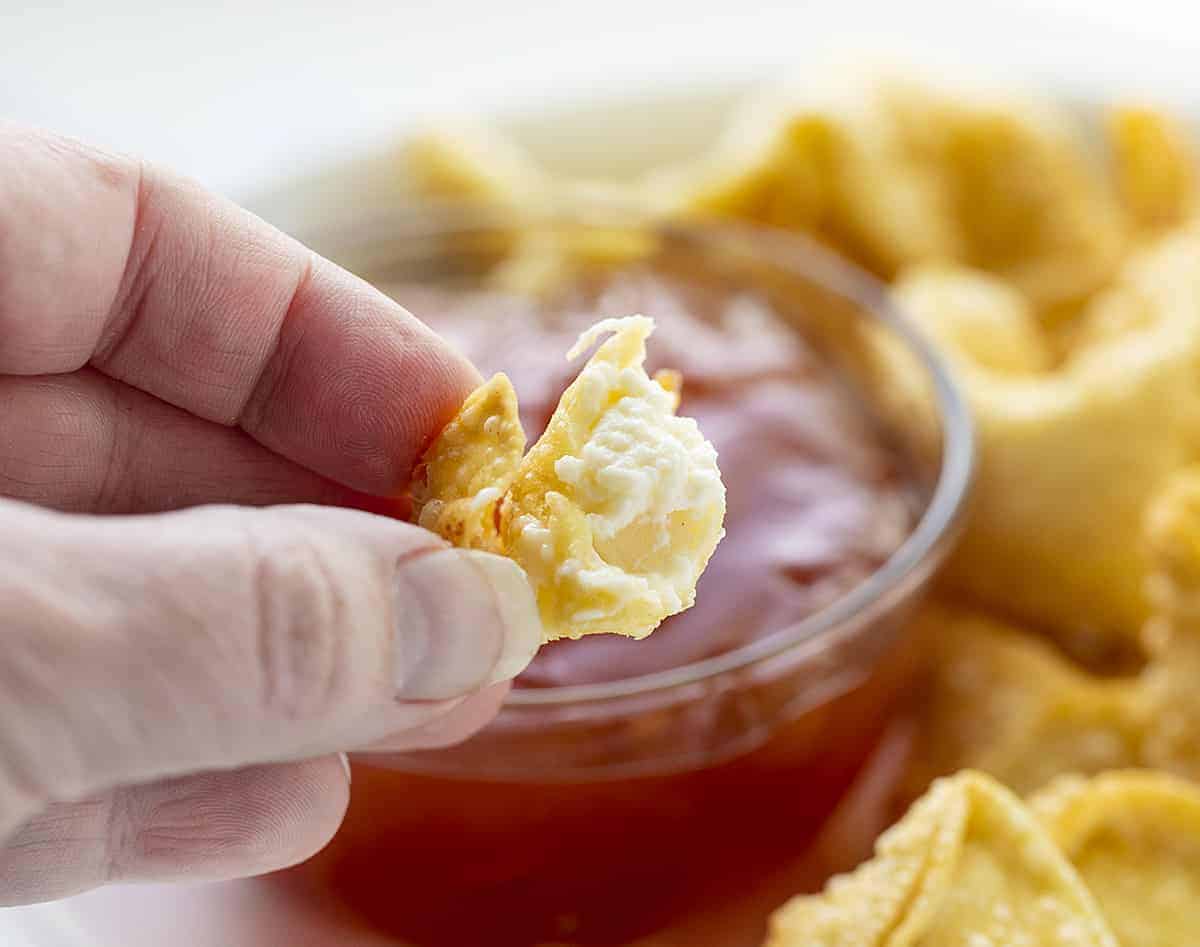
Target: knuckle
[(48, 324), (303, 650)]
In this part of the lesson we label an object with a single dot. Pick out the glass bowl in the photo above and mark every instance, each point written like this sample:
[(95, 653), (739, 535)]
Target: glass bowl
[(599, 813)]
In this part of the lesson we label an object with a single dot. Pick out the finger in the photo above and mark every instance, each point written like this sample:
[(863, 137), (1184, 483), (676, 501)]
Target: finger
[(142, 647), (86, 443), (207, 827), (458, 722), (202, 305)]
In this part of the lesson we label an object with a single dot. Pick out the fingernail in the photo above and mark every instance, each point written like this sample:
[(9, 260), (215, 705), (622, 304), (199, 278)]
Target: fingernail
[(464, 619), (345, 761)]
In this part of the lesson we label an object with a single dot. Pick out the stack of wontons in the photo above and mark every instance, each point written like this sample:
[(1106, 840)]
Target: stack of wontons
[(1056, 262)]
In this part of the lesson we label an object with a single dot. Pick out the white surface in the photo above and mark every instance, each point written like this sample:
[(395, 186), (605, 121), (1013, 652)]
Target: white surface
[(238, 93), (244, 95), (44, 925)]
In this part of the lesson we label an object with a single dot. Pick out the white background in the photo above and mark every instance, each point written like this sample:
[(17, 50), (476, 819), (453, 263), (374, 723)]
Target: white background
[(249, 93), (243, 92)]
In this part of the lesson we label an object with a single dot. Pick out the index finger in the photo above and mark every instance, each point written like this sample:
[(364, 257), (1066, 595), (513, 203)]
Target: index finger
[(107, 261)]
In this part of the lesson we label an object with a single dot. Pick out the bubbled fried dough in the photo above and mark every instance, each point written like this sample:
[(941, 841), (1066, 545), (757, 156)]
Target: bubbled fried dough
[(614, 511)]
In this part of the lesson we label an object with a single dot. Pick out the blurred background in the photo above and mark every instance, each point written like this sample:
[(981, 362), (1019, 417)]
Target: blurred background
[(245, 94), (252, 96)]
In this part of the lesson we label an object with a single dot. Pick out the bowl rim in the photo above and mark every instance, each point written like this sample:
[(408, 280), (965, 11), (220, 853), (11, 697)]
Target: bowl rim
[(914, 559)]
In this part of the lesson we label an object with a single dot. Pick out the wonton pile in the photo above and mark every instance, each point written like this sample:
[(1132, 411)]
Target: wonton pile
[(1101, 862), (1054, 257)]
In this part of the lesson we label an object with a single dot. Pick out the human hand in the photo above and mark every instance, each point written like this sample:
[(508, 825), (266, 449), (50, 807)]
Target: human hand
[(175, 686)]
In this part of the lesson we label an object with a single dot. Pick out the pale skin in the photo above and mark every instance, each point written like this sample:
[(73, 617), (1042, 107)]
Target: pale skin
[(178, 679)]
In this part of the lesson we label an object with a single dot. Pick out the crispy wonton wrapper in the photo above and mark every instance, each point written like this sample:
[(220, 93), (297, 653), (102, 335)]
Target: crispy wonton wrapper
[(1110, 860), (613, 513), (1004, 701), (893, 172), (968, 864), (1169, 691), (1155, 165), (1007, 703), (1134, 838), (1074, 445), (890, 171)]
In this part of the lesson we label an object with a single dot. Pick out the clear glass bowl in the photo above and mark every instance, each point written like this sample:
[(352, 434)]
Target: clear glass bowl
[(599, 813)]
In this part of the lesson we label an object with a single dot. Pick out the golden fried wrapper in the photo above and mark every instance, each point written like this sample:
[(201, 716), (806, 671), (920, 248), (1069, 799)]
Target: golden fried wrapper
[(1172, 537), (1002, 701), (968, 864), (1169, 693), (890, 171), (1070, 453), (1155, 166), (978, 316), (458, 486), (1134, 838), (1031, 199), (840, 174), (1169, 703), (894, 172), (777, 178), (468, 161), (613, 513), (543, 259)]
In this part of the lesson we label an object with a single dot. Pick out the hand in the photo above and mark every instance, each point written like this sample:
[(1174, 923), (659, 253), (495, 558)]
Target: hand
[(175, 686)]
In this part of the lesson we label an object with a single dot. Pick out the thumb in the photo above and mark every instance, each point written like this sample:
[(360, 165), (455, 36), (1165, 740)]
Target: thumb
[(134, 648)]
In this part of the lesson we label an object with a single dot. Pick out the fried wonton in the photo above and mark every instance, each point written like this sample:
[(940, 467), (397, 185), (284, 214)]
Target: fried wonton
[(468, 161), (1169, 693), (832, 166), (614, 511), (1154, 161), (891, 171), (895, 172), (967, 864), (1134, 838), (1073, 446), (1002, 701)]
